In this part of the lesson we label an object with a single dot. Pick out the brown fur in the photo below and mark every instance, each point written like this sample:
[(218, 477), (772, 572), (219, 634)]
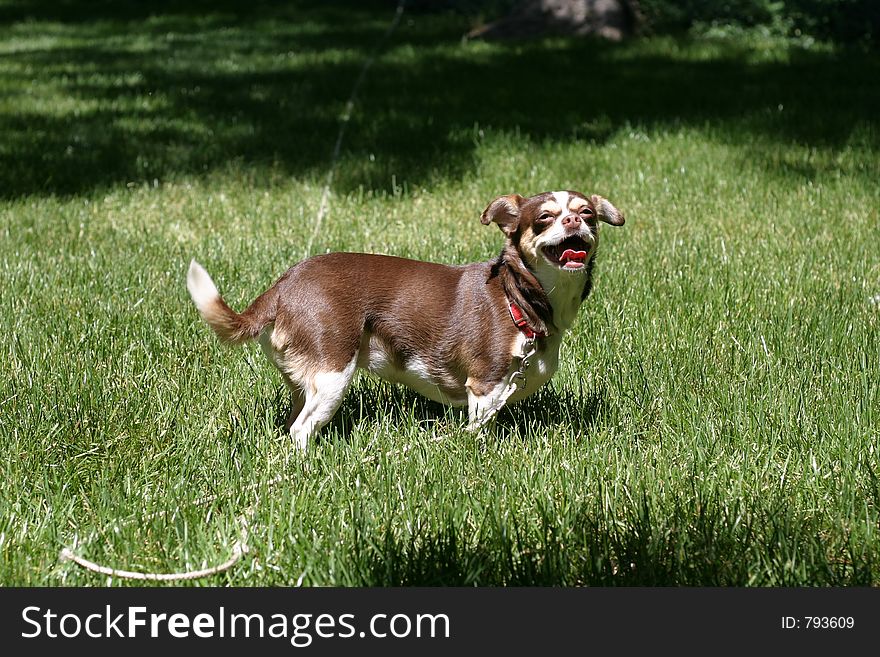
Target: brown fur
[(408, 304)]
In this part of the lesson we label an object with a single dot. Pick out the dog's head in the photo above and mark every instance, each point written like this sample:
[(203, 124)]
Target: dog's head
[(555, 230)]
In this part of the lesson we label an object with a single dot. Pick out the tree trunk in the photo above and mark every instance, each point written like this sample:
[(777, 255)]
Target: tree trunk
[(610, 19)]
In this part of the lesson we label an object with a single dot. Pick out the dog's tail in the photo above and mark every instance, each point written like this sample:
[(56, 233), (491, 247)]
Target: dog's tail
[(229, 325)]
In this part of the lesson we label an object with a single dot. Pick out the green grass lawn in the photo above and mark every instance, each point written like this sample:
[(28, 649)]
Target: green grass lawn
[(716, 416)]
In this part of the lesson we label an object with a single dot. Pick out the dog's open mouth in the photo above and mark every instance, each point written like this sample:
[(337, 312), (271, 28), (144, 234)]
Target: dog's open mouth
[(570, 253)]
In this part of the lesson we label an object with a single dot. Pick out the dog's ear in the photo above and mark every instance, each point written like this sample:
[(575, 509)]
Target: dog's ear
[(504, 211), (607, 212)]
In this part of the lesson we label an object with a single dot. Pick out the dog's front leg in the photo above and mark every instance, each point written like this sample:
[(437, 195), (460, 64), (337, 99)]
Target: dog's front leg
[(484, 402)]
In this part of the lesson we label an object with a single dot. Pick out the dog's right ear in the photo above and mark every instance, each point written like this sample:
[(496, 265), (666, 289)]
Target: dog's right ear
[(504, 211)]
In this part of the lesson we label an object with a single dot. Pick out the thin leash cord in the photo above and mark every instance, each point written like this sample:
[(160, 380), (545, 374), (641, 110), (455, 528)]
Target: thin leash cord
[(237, 551), (240, 547), (343, 124)]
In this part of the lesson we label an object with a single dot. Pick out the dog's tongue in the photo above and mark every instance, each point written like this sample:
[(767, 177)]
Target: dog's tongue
[(571, 254)]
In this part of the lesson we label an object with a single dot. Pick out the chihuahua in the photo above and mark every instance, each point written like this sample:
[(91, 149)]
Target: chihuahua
[(456, 334)]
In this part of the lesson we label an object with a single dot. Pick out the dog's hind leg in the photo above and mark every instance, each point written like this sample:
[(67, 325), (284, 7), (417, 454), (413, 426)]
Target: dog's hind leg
[(323, 396), (290, 369), (297, 403)]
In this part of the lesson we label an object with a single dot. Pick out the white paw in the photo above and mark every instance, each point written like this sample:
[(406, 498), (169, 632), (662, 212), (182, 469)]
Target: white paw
[(474, 426), (300, 440)]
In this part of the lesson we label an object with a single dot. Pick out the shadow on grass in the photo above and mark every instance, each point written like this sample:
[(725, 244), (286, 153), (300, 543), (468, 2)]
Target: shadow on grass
[(374, 402), (116, 93), (646, 543)]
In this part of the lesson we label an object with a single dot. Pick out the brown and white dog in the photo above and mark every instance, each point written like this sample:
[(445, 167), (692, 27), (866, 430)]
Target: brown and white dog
[(452, 333)]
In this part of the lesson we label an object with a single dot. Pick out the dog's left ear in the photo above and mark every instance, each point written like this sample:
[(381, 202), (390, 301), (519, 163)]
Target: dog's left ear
[(607, 212), (504, 211)]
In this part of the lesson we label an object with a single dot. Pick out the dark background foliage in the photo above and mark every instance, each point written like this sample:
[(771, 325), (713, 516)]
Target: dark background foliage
[(844, 21)]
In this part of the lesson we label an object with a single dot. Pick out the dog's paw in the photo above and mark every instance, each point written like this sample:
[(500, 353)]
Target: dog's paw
[(300, 440), (476, 426)]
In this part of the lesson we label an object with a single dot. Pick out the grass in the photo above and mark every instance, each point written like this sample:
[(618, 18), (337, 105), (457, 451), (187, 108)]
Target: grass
[(715, 417)]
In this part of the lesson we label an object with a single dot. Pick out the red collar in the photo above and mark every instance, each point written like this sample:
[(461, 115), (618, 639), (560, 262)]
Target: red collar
[(519, 319)]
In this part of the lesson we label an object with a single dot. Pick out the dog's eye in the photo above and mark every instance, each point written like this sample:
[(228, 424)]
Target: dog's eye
[(587, 212), (545, 216)]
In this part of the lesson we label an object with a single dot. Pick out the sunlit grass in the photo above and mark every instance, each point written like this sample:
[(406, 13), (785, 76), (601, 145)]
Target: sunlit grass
[(715, 417)]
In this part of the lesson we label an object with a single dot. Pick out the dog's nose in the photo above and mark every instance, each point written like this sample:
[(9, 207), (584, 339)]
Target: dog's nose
[(572, 221)]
